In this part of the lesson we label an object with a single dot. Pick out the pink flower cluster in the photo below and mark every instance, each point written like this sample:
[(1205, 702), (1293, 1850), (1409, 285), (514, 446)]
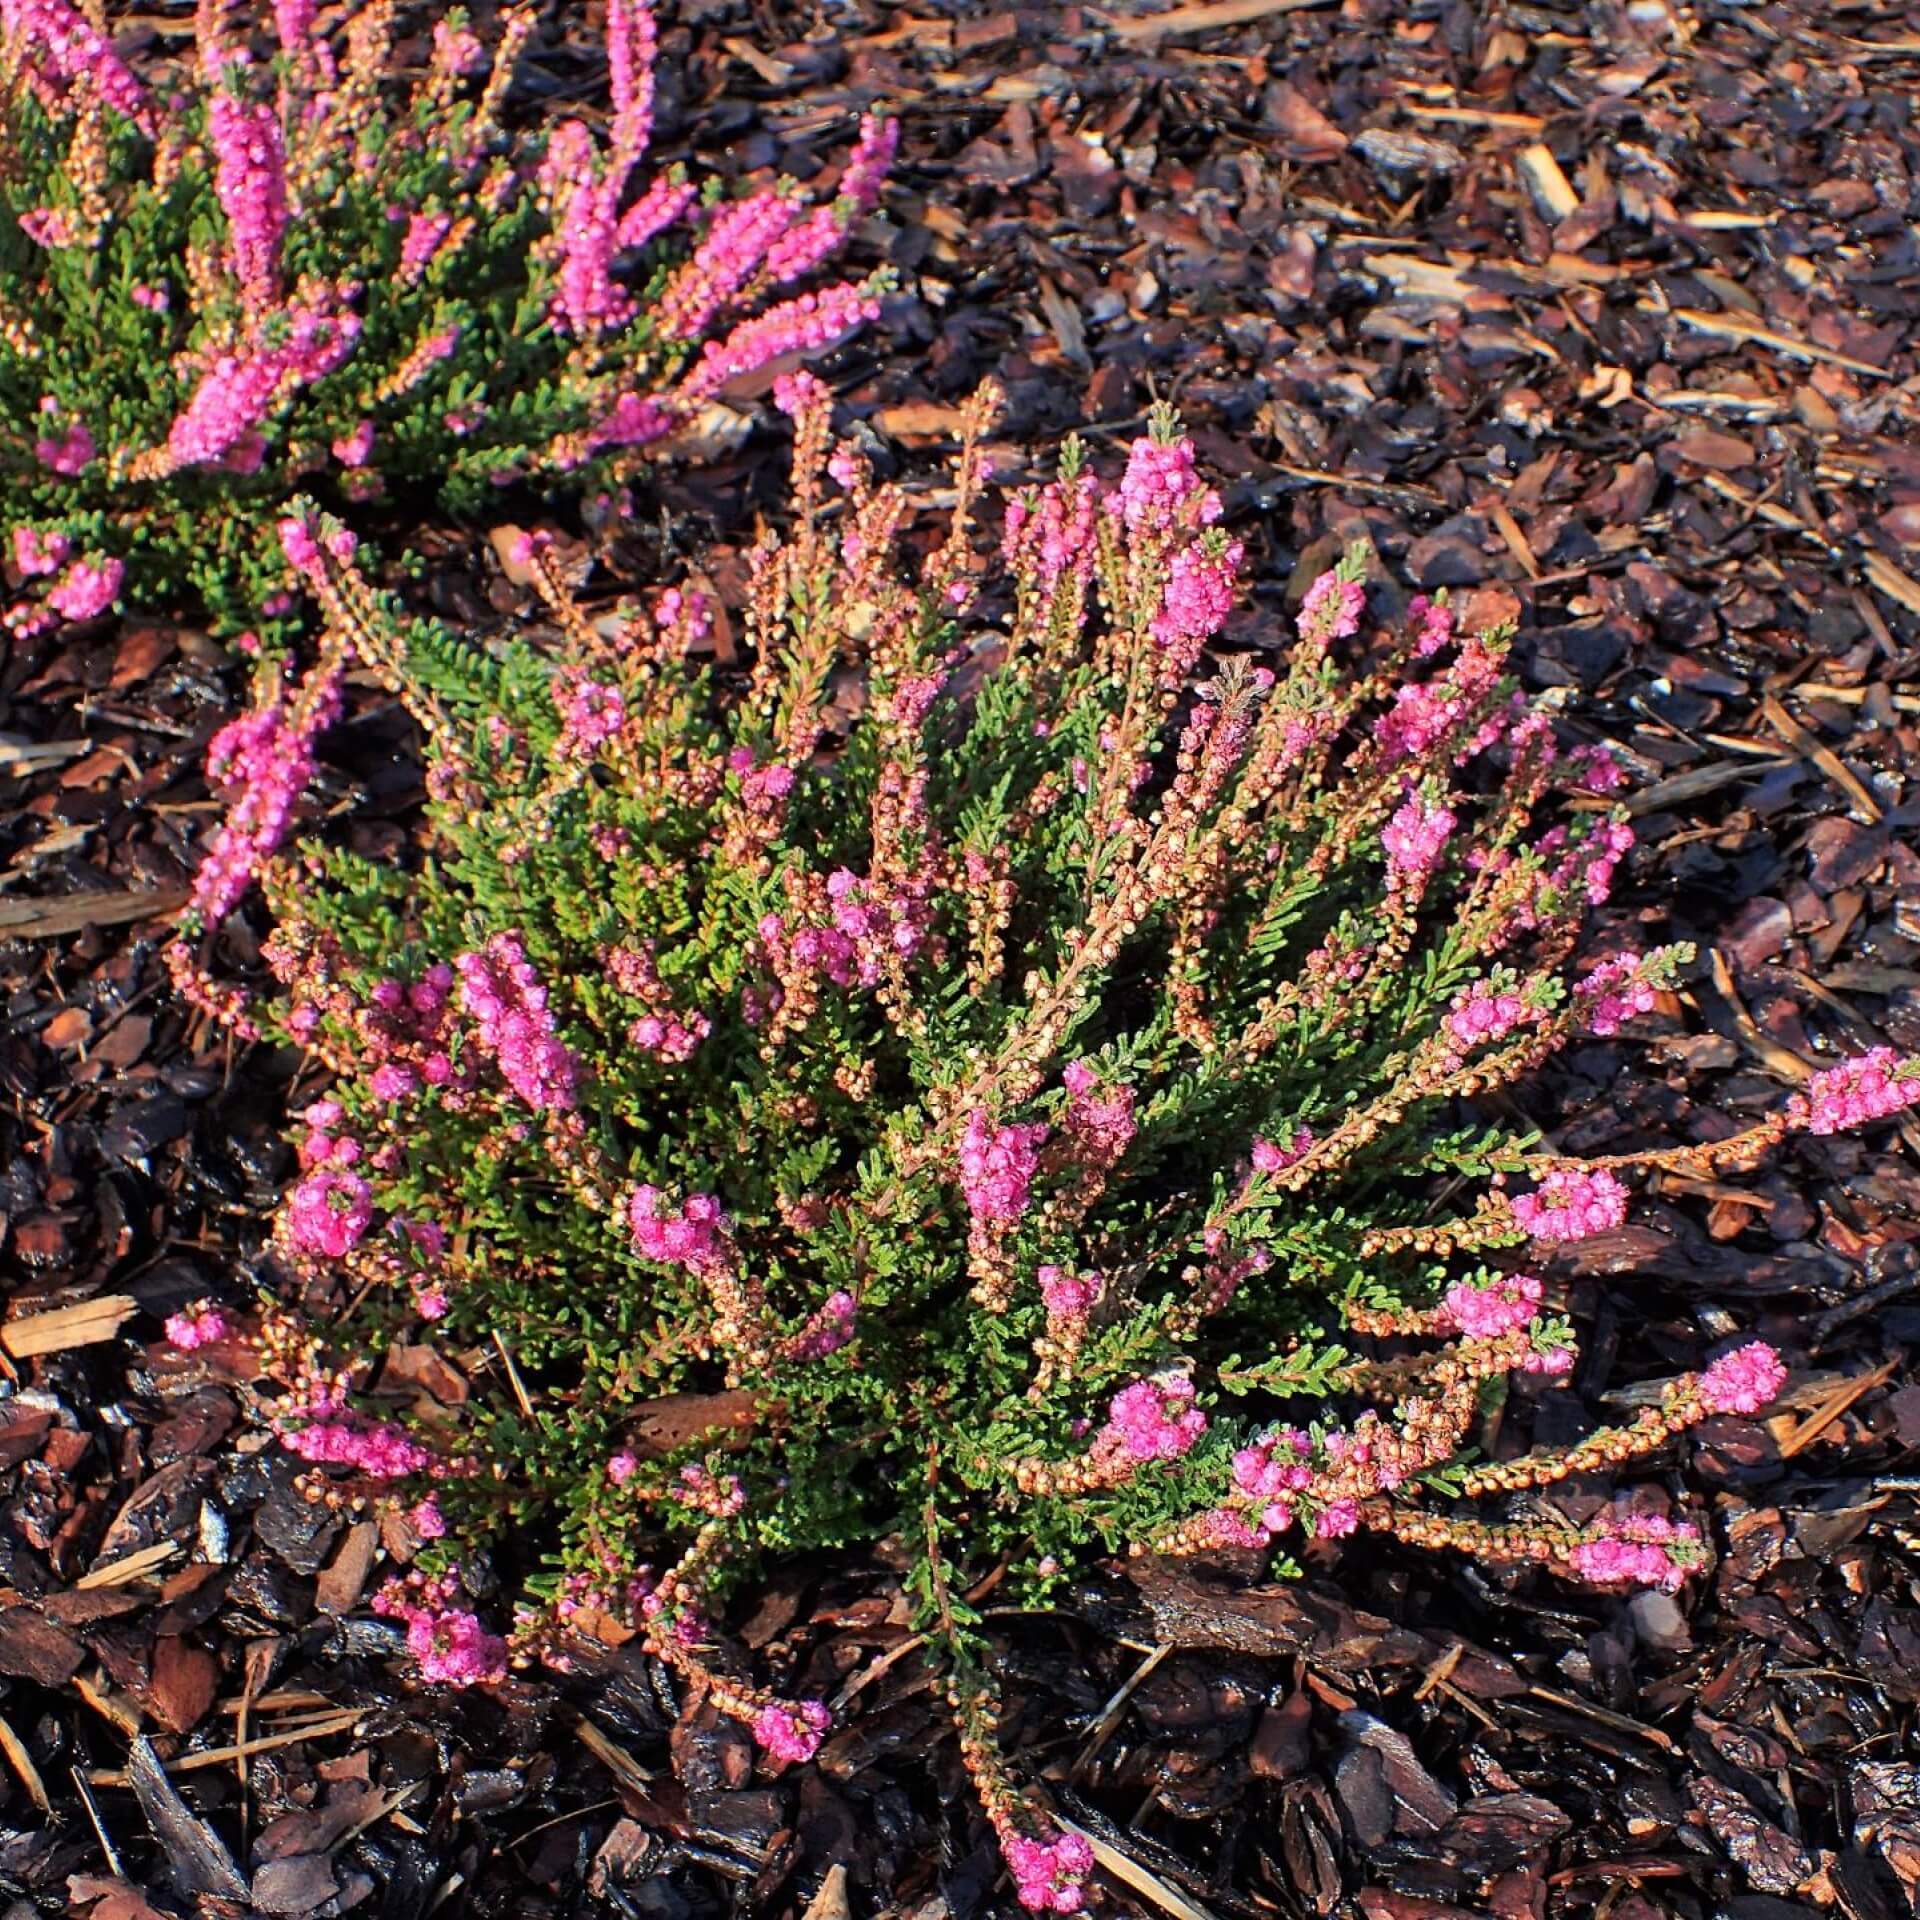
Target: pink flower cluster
[(65, 446), (377, 1448), (402, 1031), (501, 990), (35, 552), (1201, 585), (693, 1235), (591, 714), (807, 243), (997, 1166), (264, 761), (1614, 992), (1098, 1123), (668, 1035), (1270, 1157), (733, 249), (87, 589), (867, 925), (1869, 1087), (1161, 489), (61, 46), (1423, 715), (1052, 532), (1572, 1203), (1415, 839), (1331, 611), (828, 1328), (1743, 1380), (449, 1642), (1642, 1550), (236, 395), (719, 1495), (1068, 1297), (198, 1325), (1486, 1013), (1585, 865), (1271, 1475), (1486, 1310), (250, 179), (1049, 1876), (355, 449), (791, 1730), (329, 1212), (1152, 1420), (807, 324), (1433, 625)]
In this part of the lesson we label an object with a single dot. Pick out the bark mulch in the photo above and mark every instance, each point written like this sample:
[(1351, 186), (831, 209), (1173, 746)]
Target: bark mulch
[(1602, 316)]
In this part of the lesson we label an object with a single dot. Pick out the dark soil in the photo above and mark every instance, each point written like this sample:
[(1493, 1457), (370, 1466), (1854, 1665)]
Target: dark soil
[(1603, 316)]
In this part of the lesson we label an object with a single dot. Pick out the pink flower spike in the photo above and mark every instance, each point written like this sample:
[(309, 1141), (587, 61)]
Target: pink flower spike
[(501, 990), (1744, 1380), (1870, 1087), (1572, 1204), (1048, 1875), (1153, 1420), (792, 1731), (199, 1325)]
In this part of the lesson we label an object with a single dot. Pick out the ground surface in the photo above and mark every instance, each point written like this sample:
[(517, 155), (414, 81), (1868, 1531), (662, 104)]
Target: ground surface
[(1601, 315)]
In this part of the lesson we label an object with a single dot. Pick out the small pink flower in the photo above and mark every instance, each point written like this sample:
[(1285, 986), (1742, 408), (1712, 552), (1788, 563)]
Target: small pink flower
[(87, 589), (1153, 1420), (997, 1166), (1048, 1875), (199, 1325), (1331, 610), (329, 1213), (792, 1731), (454, 1649), (1500, 1306), (71, 453), (1571, 1203), (1415, 839), (1336, 1519), (1744, 1380), (1270, 1157)]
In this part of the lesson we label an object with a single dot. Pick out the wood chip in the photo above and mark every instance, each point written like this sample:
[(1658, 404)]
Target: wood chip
[(1697, 782), (130, 1566), (85, 1324), (1725, 327), (30, 756), (1124, 1867), (616, 1759), (1836, 1403), (336, 1722), (1865, 806), (1206, 17), (1885, 577), (1550, 188), (76, 913), (21, 1761), (1479, 117)]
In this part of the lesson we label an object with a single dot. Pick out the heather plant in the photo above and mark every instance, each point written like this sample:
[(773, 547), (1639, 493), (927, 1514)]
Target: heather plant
[(285, 264), (997, 1072)]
